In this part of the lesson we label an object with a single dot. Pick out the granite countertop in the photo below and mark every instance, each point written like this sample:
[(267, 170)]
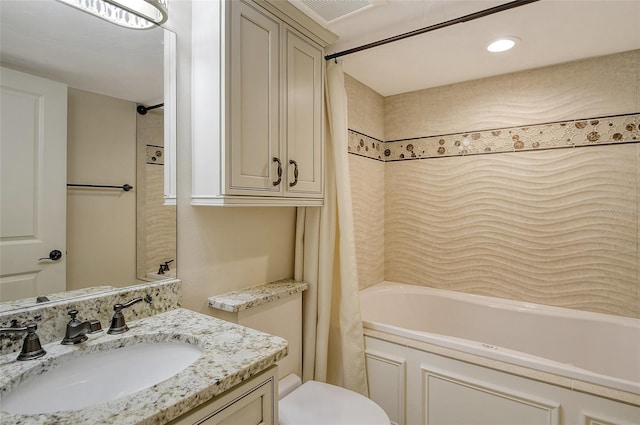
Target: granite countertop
[(236, 301), (231, 354)]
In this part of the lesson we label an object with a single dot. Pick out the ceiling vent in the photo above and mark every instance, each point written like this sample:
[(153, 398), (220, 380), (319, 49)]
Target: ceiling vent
[(329, 11)]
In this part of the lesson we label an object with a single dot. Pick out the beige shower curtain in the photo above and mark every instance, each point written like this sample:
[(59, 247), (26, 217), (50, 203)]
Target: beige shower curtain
[(333, 343)]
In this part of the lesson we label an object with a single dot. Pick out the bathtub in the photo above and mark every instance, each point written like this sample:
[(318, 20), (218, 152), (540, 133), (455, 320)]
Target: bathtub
[(590, 347)]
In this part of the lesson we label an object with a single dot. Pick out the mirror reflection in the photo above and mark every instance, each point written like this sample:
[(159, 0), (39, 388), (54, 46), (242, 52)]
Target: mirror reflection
[(71, 84)]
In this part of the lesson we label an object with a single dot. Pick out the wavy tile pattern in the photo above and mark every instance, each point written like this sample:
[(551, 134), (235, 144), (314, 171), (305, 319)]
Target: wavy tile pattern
[(605, 85), (366, 115), (367, 188), (557, 227)]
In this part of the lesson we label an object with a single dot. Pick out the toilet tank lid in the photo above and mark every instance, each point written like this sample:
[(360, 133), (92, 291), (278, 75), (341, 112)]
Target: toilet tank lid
[(320, 403), (287, 384)]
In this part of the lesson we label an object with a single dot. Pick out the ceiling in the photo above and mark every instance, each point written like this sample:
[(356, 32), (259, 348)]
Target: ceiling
[(58, 42), (551, 32)]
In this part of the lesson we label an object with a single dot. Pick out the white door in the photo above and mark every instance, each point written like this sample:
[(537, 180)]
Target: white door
[(33, 168)]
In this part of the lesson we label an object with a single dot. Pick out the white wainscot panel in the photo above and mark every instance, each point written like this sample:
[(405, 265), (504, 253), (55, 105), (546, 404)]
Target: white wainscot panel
[(451, 399), (599, 419), (387, 384)]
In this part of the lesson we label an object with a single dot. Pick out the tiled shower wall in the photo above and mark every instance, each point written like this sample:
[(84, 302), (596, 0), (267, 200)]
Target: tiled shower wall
[(532, 223), (366, 115)]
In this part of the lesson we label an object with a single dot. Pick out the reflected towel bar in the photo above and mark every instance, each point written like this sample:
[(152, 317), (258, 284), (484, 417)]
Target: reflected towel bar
[(125, 187), (142, 110)]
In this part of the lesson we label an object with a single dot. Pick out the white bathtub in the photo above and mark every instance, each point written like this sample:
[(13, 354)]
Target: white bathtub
[(596, 348)]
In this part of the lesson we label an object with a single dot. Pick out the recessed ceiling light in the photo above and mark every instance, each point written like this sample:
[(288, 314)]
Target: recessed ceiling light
[(502, 44)]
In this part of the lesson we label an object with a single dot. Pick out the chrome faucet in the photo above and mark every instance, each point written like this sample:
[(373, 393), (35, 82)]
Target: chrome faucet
[(31, 348), (77, 331), (118, 324)]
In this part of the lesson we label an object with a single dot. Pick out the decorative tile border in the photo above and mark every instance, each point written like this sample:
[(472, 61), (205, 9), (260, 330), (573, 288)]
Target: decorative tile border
[(565, 134), (367, 146)]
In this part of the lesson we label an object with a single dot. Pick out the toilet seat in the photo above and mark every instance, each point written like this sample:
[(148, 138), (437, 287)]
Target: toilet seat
[(316, 403)]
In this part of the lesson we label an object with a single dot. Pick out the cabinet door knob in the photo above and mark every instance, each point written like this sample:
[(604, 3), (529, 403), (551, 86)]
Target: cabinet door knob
[(277, 182), (295, 173)]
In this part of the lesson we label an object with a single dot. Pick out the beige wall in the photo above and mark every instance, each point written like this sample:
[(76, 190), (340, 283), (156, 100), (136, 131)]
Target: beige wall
[(557, 227), (101, 224), (220, 249)]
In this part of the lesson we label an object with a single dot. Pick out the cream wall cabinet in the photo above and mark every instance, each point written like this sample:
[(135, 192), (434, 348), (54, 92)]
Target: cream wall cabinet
[(253, 402), (257, 104)]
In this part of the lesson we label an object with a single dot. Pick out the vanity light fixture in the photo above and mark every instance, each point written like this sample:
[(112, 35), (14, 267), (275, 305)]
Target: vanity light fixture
[(134, 14), (502, 44)]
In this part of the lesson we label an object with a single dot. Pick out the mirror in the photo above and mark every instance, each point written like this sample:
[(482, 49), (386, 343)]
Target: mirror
[(113, 237)]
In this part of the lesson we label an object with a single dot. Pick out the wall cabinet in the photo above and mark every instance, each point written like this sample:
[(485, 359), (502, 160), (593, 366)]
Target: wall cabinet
[(257, 104), (253, 402)]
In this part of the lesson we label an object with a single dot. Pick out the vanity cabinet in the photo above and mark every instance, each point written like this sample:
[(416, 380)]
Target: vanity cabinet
[(257, 104), (254, 402)]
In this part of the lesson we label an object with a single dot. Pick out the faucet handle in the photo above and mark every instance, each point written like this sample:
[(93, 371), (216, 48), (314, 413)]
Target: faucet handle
[(31, 348), (73, 314), (166, 265), (118, 324)]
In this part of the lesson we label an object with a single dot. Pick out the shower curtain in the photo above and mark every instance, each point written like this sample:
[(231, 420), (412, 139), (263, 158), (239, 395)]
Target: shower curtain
[(333, 342)]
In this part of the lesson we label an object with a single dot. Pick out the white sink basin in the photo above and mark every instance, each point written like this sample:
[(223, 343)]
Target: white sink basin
[(100, 377)]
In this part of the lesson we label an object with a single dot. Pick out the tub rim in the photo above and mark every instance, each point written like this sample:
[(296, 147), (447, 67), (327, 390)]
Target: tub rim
[(499, 353)]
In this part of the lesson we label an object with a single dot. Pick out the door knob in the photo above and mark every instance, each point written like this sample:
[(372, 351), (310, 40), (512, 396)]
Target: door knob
[(54, 255)]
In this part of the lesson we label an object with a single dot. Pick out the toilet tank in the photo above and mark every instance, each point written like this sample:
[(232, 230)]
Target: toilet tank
[(281, 317)]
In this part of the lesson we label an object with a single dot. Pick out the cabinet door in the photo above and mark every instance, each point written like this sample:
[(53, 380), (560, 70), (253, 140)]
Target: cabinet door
[(304, 82), (251, 403), (254, 136)]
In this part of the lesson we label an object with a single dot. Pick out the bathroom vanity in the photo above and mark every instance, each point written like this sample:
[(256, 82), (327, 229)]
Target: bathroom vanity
[(252, 402), (232, 378)]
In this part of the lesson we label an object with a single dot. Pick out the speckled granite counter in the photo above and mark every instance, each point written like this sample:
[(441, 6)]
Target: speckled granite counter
[(52, 317), (232, 354), (251, 297)]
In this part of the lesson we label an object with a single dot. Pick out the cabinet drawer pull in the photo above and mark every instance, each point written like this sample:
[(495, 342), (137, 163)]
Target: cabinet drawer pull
[(277, 182), (295, 173)]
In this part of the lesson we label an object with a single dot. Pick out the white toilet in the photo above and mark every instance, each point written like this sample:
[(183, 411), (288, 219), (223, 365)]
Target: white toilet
[(312, 402), (317, 403)]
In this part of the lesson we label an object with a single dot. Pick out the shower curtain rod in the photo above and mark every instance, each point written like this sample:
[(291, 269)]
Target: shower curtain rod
[(466, 18)]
